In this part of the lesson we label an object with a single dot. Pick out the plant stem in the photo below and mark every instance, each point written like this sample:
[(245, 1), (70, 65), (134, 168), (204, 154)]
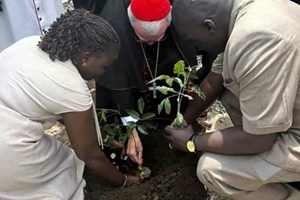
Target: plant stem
[(186, 79)]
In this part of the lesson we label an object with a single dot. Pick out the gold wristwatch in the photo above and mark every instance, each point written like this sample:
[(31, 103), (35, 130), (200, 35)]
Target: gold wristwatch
[(190, 145)]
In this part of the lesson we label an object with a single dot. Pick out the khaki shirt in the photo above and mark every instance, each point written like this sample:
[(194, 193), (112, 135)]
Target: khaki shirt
[(261, 66)]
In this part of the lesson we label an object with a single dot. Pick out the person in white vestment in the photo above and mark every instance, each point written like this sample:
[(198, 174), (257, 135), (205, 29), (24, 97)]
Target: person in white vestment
[(19, 19)]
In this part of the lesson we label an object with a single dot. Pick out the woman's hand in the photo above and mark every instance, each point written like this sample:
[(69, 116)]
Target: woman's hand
[(135, 148), (132, 179), (82, 134)]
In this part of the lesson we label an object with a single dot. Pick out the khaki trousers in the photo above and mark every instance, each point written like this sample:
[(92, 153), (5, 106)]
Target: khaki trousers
[(245, 177)]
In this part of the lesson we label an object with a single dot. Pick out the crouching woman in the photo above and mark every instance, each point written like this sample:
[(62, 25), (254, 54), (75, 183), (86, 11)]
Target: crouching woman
[(43, 79)]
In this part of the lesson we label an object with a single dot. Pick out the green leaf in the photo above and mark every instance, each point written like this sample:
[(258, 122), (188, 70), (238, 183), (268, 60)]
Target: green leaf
[(119, 131), (116, 120), (110, 139), (169, 81), (161, 77), (179, 67), (197, 91), (122, 138), (167, 106), (163, 89), (131, 125), (128, 130), (116, 129), (141, 105), (160, 106), (179, 119), (193, 69), (107, 129), (193, 77), (133, 114), (148, 125), (202, 95), (101, 115), (179, 81), (142, 129), (147, 115)]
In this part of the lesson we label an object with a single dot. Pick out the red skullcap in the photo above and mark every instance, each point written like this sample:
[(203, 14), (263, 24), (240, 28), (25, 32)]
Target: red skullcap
[(150, 10)]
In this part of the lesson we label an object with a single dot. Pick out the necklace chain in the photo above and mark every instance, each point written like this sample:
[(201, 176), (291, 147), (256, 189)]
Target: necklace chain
[(148, 66)]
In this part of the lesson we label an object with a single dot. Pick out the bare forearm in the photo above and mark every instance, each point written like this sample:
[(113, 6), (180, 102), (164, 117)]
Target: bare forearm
[(82, 134), (212, 87), (102, 167), (234, 141)]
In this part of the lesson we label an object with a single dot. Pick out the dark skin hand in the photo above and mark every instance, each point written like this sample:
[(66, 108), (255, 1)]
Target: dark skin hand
[(212, 87), (82, 134), (230, 141), (227, 141)]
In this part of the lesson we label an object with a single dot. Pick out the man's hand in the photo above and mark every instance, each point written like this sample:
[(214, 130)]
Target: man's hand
[(178, 137), (135, 148)]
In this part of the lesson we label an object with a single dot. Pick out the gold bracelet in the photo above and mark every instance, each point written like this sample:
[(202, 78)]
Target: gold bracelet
[(125, 181)]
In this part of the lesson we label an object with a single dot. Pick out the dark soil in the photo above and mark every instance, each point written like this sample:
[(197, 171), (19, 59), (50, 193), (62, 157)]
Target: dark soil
[(173, 176)]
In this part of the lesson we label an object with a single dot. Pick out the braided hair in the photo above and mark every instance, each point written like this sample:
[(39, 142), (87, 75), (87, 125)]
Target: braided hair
[(77, 30)]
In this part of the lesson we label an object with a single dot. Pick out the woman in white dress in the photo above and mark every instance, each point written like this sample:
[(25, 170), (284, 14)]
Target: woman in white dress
[(43, 79)]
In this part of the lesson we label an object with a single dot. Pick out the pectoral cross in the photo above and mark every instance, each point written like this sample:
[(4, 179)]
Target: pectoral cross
[(148, 66)]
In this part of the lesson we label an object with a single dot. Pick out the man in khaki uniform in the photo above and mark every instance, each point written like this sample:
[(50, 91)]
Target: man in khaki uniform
[(257, 76)]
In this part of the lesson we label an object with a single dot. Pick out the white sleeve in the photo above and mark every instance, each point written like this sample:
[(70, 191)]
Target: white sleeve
[(60, 91)]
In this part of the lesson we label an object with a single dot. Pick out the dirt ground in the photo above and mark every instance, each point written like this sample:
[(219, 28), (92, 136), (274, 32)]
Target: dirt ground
[(173, 173), (173, 176)]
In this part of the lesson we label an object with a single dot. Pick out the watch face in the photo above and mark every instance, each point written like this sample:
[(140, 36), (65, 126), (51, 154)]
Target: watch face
[(190, 146)]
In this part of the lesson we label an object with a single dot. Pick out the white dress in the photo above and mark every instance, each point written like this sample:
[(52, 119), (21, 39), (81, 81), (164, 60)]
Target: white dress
[(34, 89), (22, 18)]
